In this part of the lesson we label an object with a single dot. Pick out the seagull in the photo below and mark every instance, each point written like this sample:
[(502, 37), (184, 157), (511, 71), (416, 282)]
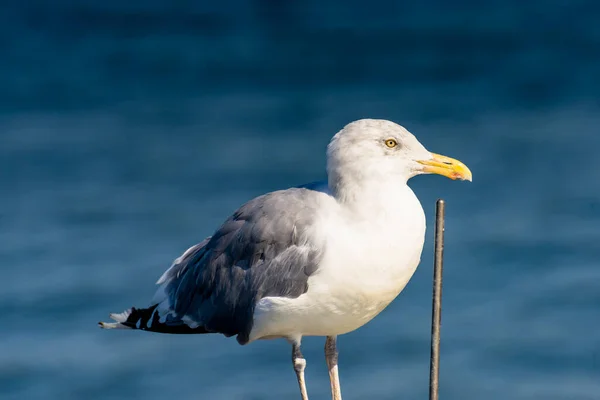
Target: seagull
[(321, 259)]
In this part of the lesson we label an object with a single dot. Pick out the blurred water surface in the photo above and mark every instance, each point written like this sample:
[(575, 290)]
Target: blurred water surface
[(130, 130)]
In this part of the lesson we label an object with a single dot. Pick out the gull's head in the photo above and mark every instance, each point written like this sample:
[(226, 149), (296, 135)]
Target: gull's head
[(380, 149)]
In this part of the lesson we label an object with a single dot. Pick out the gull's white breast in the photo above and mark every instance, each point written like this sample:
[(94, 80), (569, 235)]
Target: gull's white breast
[(369, 259)]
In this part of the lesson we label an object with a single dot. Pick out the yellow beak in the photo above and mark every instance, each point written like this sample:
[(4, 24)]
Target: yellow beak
[(446, 166)]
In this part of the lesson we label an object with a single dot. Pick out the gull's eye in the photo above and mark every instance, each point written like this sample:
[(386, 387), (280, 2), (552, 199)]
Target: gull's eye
[(391, 143)]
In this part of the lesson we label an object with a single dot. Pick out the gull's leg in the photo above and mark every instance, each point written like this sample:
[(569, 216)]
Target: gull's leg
[(299, 365), (331, 356)]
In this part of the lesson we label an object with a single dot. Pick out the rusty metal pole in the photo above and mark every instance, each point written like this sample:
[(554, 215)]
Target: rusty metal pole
[(436, 317)]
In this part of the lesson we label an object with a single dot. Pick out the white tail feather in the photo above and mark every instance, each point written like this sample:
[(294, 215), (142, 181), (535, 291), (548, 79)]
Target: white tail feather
[(119, 318)]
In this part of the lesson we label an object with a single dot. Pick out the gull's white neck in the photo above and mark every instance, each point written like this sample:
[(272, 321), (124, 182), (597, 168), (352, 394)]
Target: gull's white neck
[(384, 208), (383, 195)]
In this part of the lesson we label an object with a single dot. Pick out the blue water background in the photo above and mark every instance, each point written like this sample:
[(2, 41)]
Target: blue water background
[(130, 130)]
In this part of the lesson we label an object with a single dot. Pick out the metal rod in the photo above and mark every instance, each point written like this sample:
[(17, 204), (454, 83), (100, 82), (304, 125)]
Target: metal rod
[(436, 314)]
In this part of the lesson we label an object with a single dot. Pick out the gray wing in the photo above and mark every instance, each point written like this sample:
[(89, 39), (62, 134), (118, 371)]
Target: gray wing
[(262, 250)]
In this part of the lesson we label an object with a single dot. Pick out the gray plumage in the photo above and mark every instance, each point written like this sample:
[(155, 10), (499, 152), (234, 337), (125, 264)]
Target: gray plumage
[(215, 285)]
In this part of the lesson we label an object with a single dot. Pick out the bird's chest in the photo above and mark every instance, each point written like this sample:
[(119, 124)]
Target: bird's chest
[(386, 262), (375, 261)]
